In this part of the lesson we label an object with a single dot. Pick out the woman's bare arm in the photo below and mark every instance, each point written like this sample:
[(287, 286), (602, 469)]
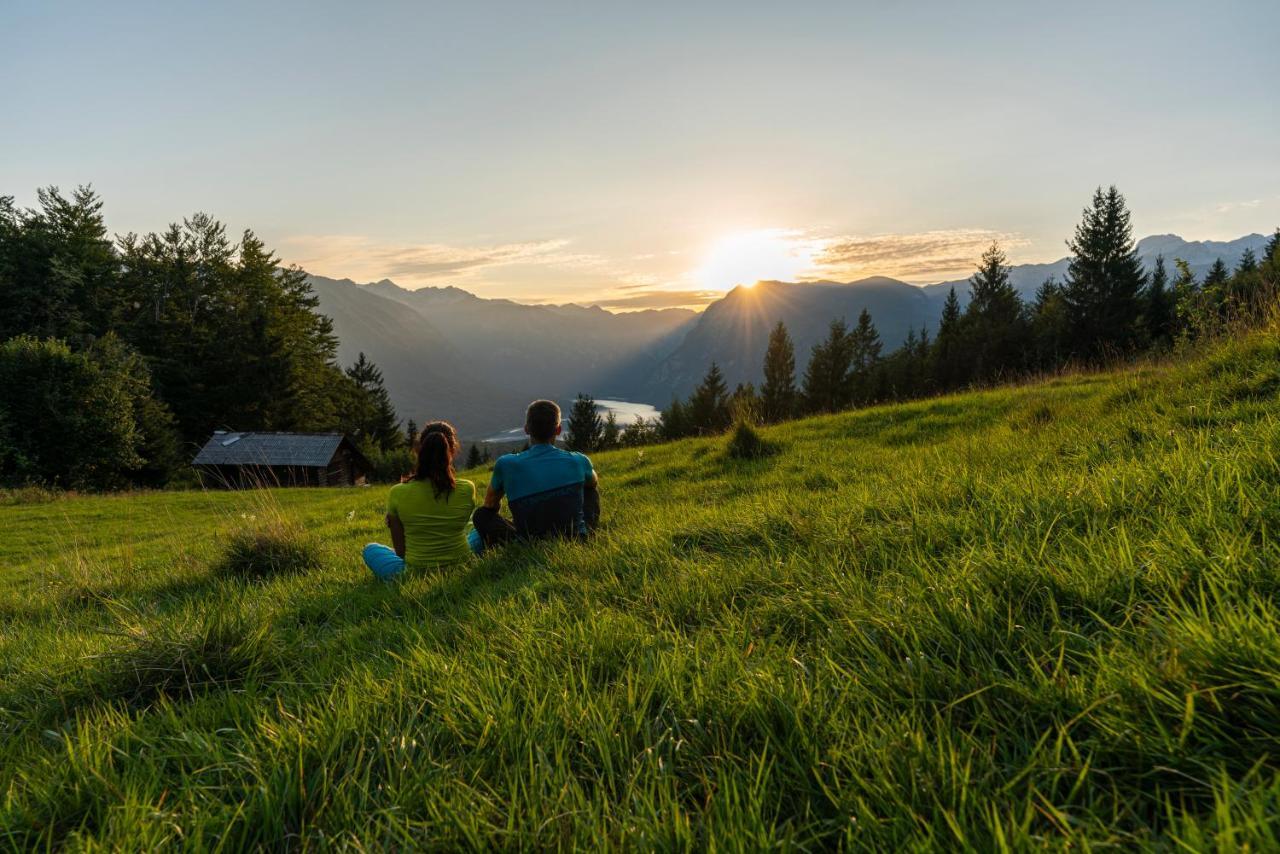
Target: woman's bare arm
[(397, 533)]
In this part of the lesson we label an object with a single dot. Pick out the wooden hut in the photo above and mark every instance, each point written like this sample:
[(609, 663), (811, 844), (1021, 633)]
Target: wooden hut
[(238, 460)]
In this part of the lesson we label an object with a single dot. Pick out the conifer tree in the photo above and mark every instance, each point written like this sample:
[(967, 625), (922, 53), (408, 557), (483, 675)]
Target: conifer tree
[(778, 394), (1213, 289), (379, 424), (864, 361), (611, 435), (1248, 262), (674, 423), (1104, 279), (949, 368), (1188, 300), (826, 385), (586, 427), (994, 324), (410, 434), (473, 457), (1161, 315), (1050, 325), (1272, 252), (709, 404)]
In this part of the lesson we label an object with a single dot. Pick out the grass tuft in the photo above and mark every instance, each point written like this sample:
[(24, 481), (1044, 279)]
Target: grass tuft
[(747, 444), (276, 546)]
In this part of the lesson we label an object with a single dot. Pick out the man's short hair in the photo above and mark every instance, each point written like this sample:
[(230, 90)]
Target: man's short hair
[(541, 420)]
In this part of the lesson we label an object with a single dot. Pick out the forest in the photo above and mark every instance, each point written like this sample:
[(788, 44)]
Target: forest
[(119, 357)]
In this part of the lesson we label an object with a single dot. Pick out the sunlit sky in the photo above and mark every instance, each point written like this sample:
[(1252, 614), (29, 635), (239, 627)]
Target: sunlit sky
[(653, 154)]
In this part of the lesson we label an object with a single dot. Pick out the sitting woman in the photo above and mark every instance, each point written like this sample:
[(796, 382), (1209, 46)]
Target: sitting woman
[(428, 512)]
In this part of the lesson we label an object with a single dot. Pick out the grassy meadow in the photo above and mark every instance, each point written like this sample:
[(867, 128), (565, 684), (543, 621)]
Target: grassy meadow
[(1031, 617)]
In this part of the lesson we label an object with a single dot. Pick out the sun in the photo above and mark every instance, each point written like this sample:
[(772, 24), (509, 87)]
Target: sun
[(747, 257)]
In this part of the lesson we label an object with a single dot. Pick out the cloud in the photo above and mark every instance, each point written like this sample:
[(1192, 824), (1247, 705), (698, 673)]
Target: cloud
[(660, 299), (1229, 207), (360, 257), (928, 254)]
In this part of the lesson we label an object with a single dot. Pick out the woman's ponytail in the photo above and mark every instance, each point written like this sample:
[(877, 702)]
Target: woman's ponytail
[(437, 445)]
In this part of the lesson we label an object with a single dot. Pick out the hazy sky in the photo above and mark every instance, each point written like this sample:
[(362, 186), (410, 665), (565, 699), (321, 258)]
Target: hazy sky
[(646, 153)]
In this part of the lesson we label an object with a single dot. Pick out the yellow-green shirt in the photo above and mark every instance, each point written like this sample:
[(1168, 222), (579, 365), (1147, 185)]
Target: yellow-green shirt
[(434, 528)]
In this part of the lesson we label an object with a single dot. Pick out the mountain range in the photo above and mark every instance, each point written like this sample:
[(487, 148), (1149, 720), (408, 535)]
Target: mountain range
[(447, 353)]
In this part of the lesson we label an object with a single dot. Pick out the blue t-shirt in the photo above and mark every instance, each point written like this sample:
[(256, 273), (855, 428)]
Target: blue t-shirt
[(544, 487)]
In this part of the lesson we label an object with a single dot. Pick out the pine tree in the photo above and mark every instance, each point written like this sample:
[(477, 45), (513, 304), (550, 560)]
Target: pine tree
[(379, 424), (709, 404), (1272, 252), (474, 459), (586, 427), (778, 394), (410, 434), (611, 434), (948, 362), (1188, 301), (1104, 279), (864, 361), (826, 385), (994, 322), (1050, 325), (675, 423), (1161, 314), (1214, 287), (1248, 262)]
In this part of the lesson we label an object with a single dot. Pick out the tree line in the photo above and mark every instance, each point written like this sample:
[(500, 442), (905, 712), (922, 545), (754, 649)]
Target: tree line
[(1108, 307), (119, 357)]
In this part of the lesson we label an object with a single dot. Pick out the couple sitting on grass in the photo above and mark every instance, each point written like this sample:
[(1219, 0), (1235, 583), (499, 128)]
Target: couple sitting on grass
[(551, 493)]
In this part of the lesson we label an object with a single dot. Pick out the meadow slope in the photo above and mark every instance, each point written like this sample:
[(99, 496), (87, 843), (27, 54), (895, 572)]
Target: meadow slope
[(1016, 618)]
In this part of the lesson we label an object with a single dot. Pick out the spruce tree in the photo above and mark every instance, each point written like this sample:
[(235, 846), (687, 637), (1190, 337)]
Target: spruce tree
[(586, 427), (410, 434), (709, 404), (948, 361), (473, 457), (1271, 253), (1161, 315), (674, 423), (379, 424), (994, 322), (1104, 279), (1050, 325), (611, 435), (864, 361), (778, 394), (826, 385), (1213, 289), (1248, 262)]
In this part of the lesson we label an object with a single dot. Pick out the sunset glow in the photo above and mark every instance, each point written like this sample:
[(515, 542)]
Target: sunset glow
[(747, 257)]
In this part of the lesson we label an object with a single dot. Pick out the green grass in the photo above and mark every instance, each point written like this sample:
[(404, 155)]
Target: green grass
[(1032, 617)]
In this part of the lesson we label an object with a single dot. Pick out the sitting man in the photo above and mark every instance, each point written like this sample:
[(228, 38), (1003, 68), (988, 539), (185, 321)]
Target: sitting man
[(551, 493)]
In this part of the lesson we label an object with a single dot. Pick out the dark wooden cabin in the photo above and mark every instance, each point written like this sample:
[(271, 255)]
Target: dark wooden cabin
[(240, 460)]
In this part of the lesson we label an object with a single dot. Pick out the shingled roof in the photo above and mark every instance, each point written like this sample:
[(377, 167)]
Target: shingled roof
[(269, 449)]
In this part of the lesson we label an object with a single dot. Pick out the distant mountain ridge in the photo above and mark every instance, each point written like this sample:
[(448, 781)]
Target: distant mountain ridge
[(1199, 255), (448, 353)]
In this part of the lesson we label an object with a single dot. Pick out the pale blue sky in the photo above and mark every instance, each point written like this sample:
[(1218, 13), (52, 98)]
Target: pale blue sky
[(600, 151)]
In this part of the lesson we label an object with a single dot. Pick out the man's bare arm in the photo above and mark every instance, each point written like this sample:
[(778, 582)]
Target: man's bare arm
[(493, 498)]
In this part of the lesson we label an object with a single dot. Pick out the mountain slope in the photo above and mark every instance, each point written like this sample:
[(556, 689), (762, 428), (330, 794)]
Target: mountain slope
[(1041, 617), (561, 350), (446, 353), (734, 331), (427, 377)]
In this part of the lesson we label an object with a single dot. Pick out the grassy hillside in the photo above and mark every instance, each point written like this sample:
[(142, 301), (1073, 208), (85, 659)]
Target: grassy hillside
[(1011, 618)]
